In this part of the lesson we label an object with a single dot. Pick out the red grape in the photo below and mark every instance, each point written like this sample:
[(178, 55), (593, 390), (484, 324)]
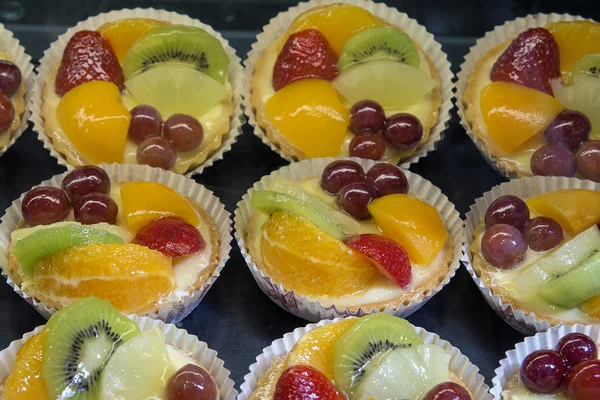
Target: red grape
[(145, 122), (339, 173), (569, 128), (191, 382), (84, 180), (10, 78), (366, 116), (553, 160), (7, 112), (367, 145), (403, 131), (583, 381), (447, 391), (387, 179), (588, 160), (503, 245), (542, 233), (45, 205), (354, 198), (94, 208), (509, 210), (543, 371), (184, 132), (577, 347), (156, 152)]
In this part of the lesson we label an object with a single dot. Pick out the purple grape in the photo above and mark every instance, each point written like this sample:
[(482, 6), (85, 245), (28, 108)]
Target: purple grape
[(543, 233), (184, 132), (366, 116), (354, 198), (367, 145), (543, 371), (503, 246), (145, 122), (156, 151), (588, 160), (10, 78), (94, 208), (575, 348), (403, 131), (7, 112), (569, 128), (553, 160), (509, 210), (387, 179), (85, 179), (339, 173), (447, 391), (45, 205)]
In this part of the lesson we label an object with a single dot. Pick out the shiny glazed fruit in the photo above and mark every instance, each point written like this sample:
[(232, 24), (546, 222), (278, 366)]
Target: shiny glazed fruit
[(569, 128), (575, 39), (403, 131), (10, 78), (366, 116), (553, 160), (588, 160), (191, 382), (94, 208), (25, 381), (577, 347), (354, 199), (7, 112), (367, 145), (156, 152), (184, 132), (448, 391), (509, 210), (171, 236), (145, 122), (304, 382), (340, 173), (45, 205), (542, 233), (583, 381), (503, 245), (121, 34), (387, 179), (543, 371), (84, 180)]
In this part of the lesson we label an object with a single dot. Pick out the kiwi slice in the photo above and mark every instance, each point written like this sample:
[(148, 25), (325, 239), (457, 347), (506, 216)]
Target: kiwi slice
[(587, 67), (78, 342), (178, 44), (361, 348), (377, 44)]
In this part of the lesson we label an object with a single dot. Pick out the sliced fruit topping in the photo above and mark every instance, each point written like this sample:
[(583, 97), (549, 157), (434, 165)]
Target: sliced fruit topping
[(316, 348), (138, 369), (157, 152), (84, 180), (532, 60), (7, 112), (122, 33), (297, 254), (143, 202), (188, 46), (574, 209), (87, 57), (146, 122), (411, 222), (171, 236), (192, 382), (95, 208), (78, 342), (587, 67), (543, 371), (387, 179), (354, 199), (366, 116), (588, 160), (359, 350), (133, 278), (45, 205), (513, 114), (270, 202), (508, 209), (10, 78), (340, 173), (309, 114), (387, 256), (403, 131), (569, 128), (553, 160), (25, 380), (575, 39), (337, 22), (503, 245), (302, 381), (448, 390), (390, 83), (543, 233), (292, 65), (95, 121)]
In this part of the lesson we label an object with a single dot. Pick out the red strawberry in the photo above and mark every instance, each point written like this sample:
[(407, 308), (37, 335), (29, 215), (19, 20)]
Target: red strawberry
[(88, 57), (305, 54), (302, 382), (532, 59), (171, 236), (385, 254)]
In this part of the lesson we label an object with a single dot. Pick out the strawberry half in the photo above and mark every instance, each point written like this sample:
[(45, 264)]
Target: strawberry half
[(171, 236), (305, 54), (532, 60), (302, 382), (88, 57), (390, 259)]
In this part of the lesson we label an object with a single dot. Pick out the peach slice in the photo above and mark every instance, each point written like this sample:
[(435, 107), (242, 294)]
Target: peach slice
[(575, 39), (121, 34), (25, 381)]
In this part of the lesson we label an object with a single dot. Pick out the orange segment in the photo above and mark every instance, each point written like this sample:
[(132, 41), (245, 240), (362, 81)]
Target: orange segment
[(143, 202), (414, 224), (309, 113), (316, 348), (305, 259), (122, 33), (592, 306), (336, 22), (575, 39), (95, 121), (132, 278), (514, 113), (25, 381), (574, 209)]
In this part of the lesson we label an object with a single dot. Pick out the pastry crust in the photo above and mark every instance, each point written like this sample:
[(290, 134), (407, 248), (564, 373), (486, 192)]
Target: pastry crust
[(18, 102)]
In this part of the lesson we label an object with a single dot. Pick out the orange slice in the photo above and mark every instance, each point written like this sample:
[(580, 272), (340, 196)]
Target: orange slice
[(121, 34), (25, 381), (575, 39)]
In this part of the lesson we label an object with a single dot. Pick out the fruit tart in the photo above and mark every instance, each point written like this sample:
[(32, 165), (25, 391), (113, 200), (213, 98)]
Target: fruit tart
[(347, 79), (157, 90), (377, 356), (141, 245), (89, 350), (538, 252), (374, 239), (531, 97)]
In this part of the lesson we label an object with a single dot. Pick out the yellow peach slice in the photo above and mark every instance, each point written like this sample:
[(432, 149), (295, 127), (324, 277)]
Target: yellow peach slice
[(121, 34), (575, 39), (25, 381)]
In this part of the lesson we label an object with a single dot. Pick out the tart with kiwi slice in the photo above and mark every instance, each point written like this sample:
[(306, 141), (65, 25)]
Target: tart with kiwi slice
[(12, 97), (89, 350), (138, 91), (364, 89)]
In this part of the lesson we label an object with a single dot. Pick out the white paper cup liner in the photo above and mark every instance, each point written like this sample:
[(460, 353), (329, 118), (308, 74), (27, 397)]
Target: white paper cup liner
[(459, 364), (313, 310), (54, 53), (548, 340), (523, 188), (22, 60), (173, 312), (499, 35), (279, 24), (178, 338)]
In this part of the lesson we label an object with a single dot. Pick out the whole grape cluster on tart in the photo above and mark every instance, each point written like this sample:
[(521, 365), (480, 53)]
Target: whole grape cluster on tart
[(12, 98)]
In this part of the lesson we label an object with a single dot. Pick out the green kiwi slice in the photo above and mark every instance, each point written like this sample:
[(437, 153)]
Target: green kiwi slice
[(178, 44), (361, 348), (587, 67), (78, 342), (379, 43)]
